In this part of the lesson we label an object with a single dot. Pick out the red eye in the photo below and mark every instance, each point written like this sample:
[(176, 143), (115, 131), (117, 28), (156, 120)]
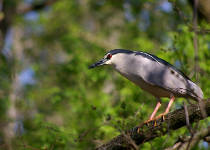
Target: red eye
[(109, 56)]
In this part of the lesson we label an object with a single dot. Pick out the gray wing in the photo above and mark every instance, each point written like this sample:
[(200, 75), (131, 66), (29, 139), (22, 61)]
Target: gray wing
[(159, 60), (158, 72)]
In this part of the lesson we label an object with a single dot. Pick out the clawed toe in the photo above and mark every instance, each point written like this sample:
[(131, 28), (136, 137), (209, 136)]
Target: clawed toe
[(147, 123), (162, 116), (153, 121)]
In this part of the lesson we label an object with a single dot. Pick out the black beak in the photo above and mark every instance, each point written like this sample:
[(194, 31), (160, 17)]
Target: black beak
[(99, 63)]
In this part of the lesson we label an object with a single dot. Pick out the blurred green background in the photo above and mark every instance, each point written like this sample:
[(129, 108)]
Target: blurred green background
[(49, 99)]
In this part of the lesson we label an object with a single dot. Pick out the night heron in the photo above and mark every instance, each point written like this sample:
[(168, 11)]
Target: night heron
[(153, 75)]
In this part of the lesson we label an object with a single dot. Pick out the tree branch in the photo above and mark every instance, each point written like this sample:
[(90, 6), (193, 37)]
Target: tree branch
[(173, 121), (182, 144), (22, 9), (9, 11), (195, 39)]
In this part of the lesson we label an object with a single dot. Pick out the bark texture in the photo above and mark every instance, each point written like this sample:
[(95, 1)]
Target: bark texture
[(144, 133)]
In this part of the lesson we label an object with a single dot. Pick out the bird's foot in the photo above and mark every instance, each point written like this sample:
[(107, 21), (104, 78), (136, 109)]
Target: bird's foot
[(162, 116), (148, 122)]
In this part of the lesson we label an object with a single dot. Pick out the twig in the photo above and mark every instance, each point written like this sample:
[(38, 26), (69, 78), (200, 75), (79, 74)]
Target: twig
[(179, 12), (130, 141), (200, 30), (195, 39), (187, 119), (23, 8), (191, 141)]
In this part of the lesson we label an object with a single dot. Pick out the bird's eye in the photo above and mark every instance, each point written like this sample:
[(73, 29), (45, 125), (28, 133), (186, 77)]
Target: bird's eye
[(109, 56)]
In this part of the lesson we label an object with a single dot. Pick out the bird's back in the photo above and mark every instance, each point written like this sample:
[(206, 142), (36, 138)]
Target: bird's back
[(157, 76)]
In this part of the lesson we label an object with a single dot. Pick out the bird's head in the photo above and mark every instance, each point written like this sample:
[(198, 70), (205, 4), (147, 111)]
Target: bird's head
[(113, 57), (106, 60)]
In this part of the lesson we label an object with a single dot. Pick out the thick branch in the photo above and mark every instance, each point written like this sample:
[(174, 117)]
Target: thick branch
[(173, 121)]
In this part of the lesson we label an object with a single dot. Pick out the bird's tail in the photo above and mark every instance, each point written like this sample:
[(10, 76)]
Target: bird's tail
[(195, 91)]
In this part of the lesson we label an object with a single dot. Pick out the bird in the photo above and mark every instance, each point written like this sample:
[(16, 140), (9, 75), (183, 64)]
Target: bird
[(152, 74)]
